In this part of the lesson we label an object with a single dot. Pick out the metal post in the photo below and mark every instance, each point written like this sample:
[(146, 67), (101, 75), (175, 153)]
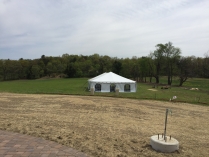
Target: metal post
[(166, 115)]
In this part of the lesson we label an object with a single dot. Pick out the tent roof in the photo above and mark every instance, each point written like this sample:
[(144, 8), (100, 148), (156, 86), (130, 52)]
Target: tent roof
[(110, 77)]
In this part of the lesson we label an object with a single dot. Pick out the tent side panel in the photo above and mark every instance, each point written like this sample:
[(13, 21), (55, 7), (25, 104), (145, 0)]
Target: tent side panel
[(120, 86), (105, 87), (133, 87)]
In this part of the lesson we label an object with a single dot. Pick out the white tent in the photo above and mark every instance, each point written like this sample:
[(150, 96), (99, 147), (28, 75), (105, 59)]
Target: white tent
[(108, 82)]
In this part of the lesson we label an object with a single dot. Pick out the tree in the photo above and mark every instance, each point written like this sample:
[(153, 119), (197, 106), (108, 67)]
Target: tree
[(205, 67), (135, 71), (158, 57), (151, 67), (50, 68), (117, 66), (168, 55), (126, 66), (35, 71), (105, 64), (172, 55), (144, 66), (185, 69), (42, 68), (70, 70), (25, 68), (3, 68), (10, 69)]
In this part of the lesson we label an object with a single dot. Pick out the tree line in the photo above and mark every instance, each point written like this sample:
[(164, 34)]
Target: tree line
[(165, 60)]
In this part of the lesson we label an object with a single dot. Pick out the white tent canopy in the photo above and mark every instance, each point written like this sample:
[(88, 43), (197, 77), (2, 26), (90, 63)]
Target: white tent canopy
[(108, 82)]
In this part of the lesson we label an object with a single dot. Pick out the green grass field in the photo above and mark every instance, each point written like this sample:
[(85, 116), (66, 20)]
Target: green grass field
[(77, 86)]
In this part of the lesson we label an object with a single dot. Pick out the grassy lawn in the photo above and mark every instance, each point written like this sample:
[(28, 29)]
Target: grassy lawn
[(77, 86)]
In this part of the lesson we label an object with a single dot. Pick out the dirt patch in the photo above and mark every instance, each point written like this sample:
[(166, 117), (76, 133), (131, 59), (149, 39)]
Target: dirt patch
[(104, 127)]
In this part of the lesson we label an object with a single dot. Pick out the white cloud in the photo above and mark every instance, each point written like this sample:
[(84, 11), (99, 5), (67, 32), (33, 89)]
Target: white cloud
[(125, 28)]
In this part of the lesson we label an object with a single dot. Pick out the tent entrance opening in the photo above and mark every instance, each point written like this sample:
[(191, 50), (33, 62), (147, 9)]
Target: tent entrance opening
[(127, 88), (112, 87), (98, 87)]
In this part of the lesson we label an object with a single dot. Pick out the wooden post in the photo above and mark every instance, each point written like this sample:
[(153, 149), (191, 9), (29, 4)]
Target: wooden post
[(116, 91), (92, 90)]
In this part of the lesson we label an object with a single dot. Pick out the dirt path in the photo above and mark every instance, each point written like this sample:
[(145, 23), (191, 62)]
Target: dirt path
[(106, 126)]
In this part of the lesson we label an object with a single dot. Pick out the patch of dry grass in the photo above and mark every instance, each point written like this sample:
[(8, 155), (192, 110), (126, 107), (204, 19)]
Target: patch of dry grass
[(106, 126)]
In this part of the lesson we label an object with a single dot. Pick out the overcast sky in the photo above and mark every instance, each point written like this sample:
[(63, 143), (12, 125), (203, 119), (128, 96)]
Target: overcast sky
[(117, 28)]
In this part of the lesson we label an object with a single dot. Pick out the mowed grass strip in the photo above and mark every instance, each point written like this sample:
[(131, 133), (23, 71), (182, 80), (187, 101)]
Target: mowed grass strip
[(77, 86), (45, 86)]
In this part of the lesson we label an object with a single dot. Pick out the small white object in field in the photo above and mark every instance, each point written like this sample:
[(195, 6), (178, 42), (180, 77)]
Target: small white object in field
[(174, 97), (154, 90), (194, 89)]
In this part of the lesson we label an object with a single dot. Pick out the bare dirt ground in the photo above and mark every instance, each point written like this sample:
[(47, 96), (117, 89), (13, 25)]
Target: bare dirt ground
[(106, 127)]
